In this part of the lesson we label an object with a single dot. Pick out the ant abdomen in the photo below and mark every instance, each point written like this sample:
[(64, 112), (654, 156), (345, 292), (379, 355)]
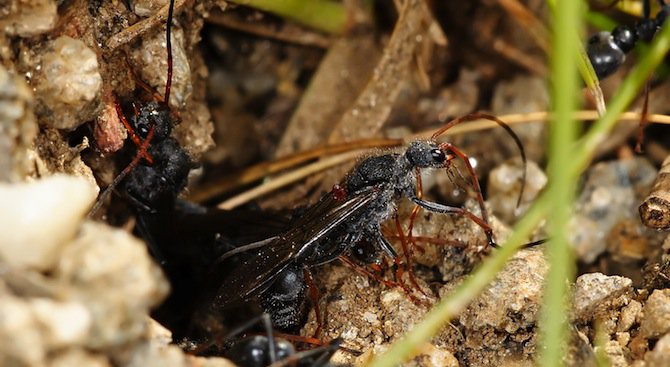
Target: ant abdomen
[(605, 55), (607, 50)]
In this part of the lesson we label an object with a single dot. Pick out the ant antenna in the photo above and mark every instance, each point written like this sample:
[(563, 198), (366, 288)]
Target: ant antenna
[(508, 129), (168, 44)]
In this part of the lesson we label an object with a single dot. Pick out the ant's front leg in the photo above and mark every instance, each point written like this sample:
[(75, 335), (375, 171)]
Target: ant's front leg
[(445, 209)]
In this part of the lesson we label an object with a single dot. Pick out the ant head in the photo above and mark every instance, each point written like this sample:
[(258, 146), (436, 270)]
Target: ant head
[(427, 154), (255, 351), (153, 114)]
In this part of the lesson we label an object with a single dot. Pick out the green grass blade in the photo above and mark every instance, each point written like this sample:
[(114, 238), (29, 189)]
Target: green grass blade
[(562, 134), (324, 15)]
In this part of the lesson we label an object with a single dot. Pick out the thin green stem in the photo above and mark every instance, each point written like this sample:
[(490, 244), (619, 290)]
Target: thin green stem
[(561, 191), (324, 15), (454, 303)]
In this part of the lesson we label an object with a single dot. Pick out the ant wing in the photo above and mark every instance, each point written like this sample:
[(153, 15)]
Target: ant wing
[(259, 263)]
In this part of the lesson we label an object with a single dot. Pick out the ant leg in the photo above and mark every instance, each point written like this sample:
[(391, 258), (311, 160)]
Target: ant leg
[(165, 99), (133, 136), (406, 248), (478, 191), (440, 208), (643, 119), (314, 295), (168, 45), (367, 272), (220, 337), (117, 180), (377, 277), (415, 210), (501, 123), (325, 352), (299, 338), (142, 84)]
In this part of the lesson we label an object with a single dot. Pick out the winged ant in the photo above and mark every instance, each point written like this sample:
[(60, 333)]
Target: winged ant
[(607, 50), (276, 269)]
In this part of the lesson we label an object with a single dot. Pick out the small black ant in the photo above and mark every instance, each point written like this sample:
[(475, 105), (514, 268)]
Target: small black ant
[(275, 350), (607, 50)]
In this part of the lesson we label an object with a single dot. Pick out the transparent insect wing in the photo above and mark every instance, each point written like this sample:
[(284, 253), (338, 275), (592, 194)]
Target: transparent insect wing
[(262, 261)]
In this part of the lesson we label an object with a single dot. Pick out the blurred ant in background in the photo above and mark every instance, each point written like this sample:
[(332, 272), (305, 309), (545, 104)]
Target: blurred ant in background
[(159, 168), (607, 50)]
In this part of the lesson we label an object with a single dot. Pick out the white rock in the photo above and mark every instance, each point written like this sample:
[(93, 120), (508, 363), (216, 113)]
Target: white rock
[(115, 278), (598, 291), (38, 219), (660, 356), (151, 60), (21, 343), (145, 8), (64, 323), (77, 357), (28, 18)]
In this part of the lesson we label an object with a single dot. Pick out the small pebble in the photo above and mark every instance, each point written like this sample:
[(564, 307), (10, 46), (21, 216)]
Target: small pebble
[(660, 355), (18, 127), (656, 315), (151, 61), (145, 8), (78, 357), (64, 323), (512, 300), (596, 292), (102, 259), (608, 196), (28, 18), (630, 314), (67, 84), (22, 341), (504, 188)]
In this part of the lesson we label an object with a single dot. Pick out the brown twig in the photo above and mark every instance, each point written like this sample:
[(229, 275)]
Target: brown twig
[(287, 32), (478, 125), (141, 27)]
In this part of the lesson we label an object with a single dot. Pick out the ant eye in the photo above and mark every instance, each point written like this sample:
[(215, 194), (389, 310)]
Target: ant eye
[(438, 155)]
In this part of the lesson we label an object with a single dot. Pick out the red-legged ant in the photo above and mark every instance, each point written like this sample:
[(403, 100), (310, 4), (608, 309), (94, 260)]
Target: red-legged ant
[(275, 269), (158, 171)]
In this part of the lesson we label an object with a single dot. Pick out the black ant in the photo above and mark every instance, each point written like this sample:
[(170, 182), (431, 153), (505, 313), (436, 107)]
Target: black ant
[(255, 351), (159, 169), (273, 349), (276, 269), (607, 50)]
